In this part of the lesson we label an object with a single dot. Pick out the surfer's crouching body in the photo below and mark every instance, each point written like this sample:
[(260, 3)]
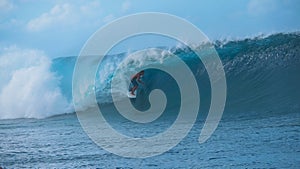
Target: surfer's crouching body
[(134, 81)]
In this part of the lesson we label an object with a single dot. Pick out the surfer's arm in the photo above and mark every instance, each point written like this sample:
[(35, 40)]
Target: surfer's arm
[(139, 80)]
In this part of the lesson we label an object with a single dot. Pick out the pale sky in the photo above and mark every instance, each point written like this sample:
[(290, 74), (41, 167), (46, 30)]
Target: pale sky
[(61, 27)]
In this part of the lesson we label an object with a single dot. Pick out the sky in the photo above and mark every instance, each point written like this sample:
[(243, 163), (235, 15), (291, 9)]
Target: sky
[(61, 27)]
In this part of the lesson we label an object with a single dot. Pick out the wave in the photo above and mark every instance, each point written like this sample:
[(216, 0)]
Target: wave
[(262, 76)]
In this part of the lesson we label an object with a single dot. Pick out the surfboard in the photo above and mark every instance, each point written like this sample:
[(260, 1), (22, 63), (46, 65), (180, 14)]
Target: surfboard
[(130, 95)]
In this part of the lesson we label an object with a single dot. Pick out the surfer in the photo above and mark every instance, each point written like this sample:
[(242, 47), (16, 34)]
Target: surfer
[(134, 79)]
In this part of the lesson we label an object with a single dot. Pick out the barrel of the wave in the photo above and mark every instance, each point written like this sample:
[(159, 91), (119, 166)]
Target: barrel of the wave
[(187, 85)]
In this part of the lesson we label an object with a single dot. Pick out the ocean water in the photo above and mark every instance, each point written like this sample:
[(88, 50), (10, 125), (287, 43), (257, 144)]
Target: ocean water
[(254, 141), (260, 127)]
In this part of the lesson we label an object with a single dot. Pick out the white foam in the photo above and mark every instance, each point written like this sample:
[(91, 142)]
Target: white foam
[(28, 89)]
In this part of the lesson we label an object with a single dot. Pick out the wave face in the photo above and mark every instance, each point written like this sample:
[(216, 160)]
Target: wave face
[(262, 76)]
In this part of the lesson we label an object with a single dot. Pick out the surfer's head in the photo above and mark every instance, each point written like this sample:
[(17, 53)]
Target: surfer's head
[(142, 72)]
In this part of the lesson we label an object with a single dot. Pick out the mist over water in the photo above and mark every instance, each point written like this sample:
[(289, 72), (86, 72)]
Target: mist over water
[(28, 89)]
